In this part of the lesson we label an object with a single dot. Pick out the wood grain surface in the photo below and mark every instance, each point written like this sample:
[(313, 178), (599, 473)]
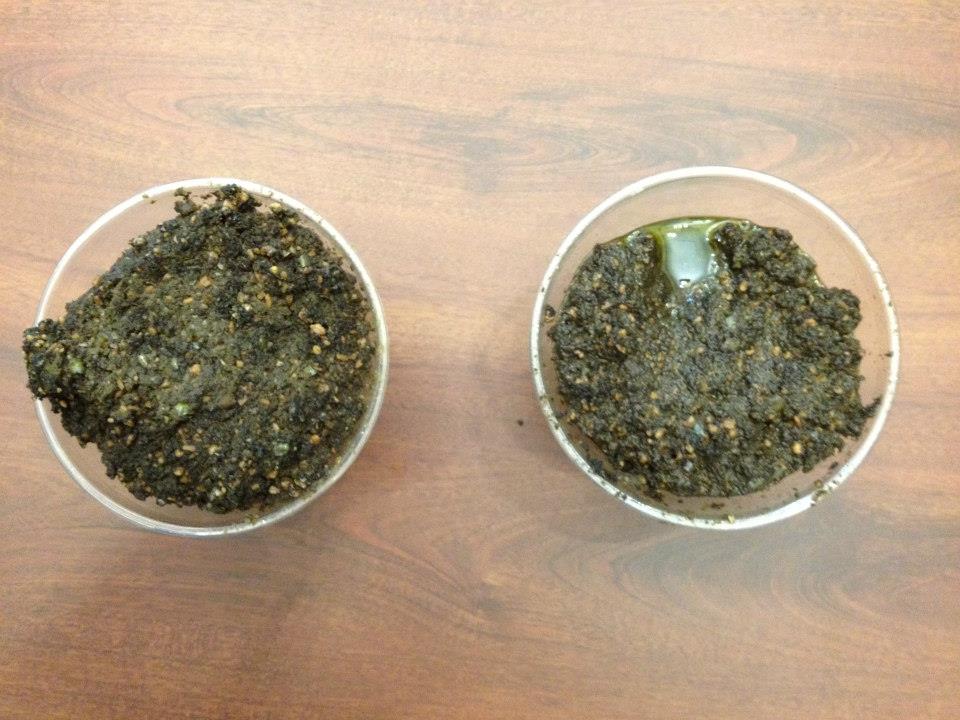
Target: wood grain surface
[(463, 568)]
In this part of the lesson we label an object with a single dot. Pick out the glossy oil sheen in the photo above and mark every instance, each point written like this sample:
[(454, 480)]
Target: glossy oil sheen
[(688, 252)]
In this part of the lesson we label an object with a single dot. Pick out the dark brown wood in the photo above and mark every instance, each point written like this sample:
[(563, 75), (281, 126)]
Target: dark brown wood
[(463, 568)]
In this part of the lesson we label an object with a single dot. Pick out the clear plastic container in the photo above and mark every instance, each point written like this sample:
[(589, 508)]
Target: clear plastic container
[(842, 261), (94, 252)]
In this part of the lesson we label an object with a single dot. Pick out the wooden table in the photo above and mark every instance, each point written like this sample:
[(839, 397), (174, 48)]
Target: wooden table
[(464, 568)]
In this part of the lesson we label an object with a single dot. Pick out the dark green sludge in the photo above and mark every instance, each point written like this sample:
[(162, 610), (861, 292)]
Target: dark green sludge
[(223, 361), (702, 356)]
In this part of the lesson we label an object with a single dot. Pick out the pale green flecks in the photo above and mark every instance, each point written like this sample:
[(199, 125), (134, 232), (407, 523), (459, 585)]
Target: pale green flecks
[(181, 409)]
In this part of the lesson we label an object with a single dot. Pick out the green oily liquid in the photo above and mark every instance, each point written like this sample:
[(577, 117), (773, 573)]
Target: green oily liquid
[(689, 254)]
